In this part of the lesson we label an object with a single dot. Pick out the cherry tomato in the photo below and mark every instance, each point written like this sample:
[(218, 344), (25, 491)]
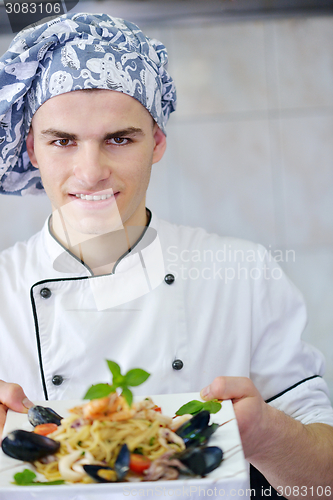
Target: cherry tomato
[(45, 429), (139, 463)]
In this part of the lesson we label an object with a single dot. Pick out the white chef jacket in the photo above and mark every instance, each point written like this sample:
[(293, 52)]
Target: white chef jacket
[(227, 309)]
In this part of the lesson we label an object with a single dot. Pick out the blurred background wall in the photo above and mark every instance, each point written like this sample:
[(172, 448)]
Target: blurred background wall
[(250, 149)]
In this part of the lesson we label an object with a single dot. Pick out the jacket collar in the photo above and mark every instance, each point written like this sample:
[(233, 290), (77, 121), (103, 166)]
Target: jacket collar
[(63, 261)]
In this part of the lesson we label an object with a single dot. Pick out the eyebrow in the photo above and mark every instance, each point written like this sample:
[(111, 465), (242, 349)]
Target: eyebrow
[(130, 131)]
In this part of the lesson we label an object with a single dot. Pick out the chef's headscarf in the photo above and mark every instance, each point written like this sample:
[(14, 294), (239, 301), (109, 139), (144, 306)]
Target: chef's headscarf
[(72, 52)]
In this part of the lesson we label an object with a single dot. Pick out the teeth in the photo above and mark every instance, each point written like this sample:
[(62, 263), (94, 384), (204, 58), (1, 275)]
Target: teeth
[(91, 197)]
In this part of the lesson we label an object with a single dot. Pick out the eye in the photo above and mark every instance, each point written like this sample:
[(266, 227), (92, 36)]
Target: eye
[(119, 141), (62, 142)]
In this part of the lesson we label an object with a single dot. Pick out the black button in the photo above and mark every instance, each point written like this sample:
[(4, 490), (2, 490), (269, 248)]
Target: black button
[(169, 279), (57, 380), (45, 293), (177, 364)]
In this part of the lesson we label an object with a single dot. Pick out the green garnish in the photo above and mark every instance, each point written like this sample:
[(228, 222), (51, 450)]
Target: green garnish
[(27, 478), (193, 407), (132, 378), (138, 451)]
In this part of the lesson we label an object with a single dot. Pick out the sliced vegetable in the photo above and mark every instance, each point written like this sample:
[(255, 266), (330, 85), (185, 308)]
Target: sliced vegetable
[(139, 463), (45, 429)]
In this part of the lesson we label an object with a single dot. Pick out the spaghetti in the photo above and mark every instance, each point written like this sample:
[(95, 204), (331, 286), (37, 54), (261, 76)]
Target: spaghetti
[(95, 432)]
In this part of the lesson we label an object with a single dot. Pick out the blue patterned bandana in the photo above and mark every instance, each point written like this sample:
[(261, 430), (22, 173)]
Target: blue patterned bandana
[(74, 52)]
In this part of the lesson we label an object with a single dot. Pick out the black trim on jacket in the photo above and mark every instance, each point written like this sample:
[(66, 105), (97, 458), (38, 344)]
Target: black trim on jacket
[(290, 388), (34, 310)]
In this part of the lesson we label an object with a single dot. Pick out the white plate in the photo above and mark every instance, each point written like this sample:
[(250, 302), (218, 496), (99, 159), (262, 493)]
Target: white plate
[(228, 479)]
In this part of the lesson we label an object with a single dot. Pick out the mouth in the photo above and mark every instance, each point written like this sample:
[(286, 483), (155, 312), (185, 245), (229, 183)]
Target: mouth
[(98, 200), (93, 197)]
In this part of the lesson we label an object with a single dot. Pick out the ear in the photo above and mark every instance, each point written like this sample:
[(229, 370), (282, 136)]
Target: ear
[(160, 143), (30, 148)]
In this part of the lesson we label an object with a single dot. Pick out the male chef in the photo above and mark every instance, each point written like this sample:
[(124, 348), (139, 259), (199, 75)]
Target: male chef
[(84, 101)]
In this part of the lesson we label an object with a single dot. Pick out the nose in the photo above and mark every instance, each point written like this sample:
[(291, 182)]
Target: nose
[(91, 166)]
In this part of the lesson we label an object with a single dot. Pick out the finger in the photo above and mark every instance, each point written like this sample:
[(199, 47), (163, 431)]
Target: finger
[(234, 388), (3, 414), (13, 397)]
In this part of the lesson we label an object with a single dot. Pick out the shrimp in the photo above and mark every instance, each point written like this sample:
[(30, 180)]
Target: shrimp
[(113, 407), (96, 407)]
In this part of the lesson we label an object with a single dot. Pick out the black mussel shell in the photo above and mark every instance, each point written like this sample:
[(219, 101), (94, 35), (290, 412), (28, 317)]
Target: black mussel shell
[(122, 462), (201, 461), (202, 437), (104, 474), (28, 446), (194, 427), (100, 473), (40, 415)]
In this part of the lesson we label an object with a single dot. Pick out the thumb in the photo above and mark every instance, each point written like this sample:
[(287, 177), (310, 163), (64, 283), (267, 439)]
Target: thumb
[(235, 388), (12, 396)]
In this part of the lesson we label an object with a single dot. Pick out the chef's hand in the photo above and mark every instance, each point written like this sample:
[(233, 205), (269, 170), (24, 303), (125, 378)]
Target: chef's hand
[(13, 397), (250, 409), (277, 444)]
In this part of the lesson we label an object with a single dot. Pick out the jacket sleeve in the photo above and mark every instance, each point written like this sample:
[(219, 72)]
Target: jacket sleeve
[(287, 371)]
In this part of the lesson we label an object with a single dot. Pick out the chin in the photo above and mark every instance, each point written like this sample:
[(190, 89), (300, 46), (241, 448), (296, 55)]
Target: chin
[(97, 229)]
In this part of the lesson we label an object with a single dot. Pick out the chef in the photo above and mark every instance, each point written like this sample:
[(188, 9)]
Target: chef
[(84, 101)]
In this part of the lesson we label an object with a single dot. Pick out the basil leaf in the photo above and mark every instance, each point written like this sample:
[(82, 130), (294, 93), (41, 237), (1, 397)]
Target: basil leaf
[(191, 407), (25, 477), (132, 378), (127, 394), (114, 368), (212, 406), (136, 377), (118, 381), (98, 391)]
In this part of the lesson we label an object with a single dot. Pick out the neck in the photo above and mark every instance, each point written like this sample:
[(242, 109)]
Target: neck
[(101, 252)]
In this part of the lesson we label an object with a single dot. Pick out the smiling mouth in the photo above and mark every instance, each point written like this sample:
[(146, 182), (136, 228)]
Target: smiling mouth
[(91, 197)]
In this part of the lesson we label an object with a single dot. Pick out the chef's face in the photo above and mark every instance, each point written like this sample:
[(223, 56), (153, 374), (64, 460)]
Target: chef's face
[(98, 144)]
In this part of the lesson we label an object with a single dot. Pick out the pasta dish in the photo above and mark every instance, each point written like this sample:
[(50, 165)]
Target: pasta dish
[(95, 432)]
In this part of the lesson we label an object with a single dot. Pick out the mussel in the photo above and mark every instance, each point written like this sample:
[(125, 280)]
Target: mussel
[(190, 462), (121, 465), (203, 437), (28, 446), (201, 461), (43, 415), (101, 473), (104, 474), (196, 431)]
